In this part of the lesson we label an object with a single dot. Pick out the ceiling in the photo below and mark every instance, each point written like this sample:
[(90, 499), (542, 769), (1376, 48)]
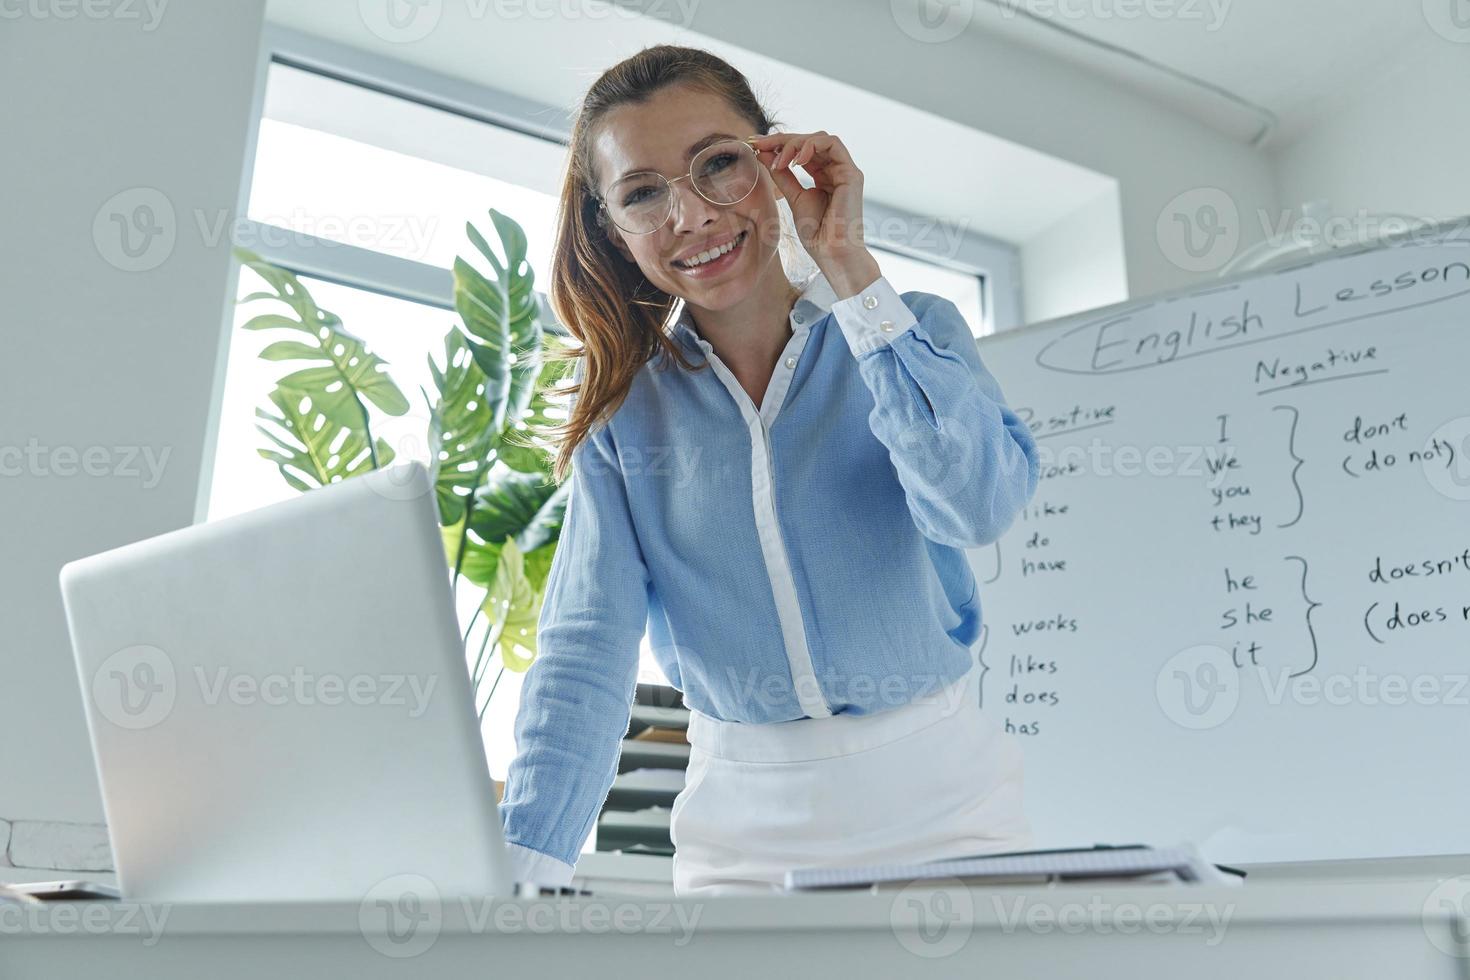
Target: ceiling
[(1290, 58)]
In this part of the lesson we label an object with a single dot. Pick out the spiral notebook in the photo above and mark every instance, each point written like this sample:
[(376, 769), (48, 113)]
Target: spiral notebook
[(1180, 863)]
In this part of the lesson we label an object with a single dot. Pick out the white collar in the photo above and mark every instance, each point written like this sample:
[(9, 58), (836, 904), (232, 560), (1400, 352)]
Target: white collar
[(815, 302)]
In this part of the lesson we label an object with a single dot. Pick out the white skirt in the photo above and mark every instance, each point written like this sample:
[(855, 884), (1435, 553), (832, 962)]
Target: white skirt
[(933, 779)]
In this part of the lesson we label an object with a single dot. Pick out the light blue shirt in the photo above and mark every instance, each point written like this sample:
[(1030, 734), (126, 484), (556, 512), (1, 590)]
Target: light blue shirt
[(800, 558)]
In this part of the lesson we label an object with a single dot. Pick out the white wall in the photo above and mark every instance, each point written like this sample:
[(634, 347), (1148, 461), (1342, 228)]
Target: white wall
[(1075, 264), (1397, 141), (100, 362)]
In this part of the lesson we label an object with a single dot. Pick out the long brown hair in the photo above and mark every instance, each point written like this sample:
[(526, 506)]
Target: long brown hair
[(604, 301)]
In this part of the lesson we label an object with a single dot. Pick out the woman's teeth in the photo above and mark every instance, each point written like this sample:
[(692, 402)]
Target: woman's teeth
[(710, 256)]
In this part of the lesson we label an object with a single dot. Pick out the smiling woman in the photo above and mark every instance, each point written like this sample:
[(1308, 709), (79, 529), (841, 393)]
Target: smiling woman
[(842, 427)]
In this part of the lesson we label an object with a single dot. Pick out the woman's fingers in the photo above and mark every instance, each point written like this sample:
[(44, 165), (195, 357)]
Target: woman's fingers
[(820, 154)]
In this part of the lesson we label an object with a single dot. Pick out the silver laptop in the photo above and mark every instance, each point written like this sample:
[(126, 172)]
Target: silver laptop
[(280, 707)]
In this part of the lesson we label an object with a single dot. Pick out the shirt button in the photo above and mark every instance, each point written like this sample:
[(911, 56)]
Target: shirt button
[(799, 318), (791, 362), (887, 326), (870, 302)]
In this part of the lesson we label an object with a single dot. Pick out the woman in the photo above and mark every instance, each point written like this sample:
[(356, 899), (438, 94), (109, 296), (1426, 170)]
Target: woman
[(779, 485)]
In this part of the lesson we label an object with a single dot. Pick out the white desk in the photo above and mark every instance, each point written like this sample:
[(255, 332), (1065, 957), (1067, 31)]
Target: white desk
[(1270, 929)]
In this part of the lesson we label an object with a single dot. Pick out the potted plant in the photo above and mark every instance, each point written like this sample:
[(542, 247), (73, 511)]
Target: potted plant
[(499, 507)]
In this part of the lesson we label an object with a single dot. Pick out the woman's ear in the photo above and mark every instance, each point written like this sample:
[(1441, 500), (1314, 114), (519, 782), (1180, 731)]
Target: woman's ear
[(615, 235)]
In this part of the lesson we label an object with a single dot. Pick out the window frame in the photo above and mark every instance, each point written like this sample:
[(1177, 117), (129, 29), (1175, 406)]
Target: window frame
[(994, 262)]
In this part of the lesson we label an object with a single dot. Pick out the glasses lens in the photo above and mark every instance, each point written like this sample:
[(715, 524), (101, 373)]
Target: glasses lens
[(725, 173), (639, 203)]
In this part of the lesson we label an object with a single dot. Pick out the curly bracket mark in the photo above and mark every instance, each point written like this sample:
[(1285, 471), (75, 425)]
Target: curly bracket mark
[(996, 576), (980, 657), (1301, 503), (1312, 633)]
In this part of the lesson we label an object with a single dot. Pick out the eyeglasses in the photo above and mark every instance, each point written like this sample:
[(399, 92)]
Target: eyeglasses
[(723, 173)]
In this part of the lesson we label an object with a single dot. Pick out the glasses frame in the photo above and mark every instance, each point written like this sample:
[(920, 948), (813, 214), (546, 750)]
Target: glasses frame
[(605, 213)]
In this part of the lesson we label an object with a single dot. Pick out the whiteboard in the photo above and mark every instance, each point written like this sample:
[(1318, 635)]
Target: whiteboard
[(1237, 610)]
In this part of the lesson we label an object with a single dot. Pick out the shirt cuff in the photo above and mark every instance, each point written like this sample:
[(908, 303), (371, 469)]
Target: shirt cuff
[(540, 869), (873, 317)]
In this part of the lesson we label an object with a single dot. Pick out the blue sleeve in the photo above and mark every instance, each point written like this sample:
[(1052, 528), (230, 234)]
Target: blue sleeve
[(967, 463), (577, 697)]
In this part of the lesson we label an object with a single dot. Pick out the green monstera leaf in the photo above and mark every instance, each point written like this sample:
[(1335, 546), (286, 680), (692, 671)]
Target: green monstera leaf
[(312, 449), (521, 445), (504, 316), (320, 432), (462, 428), (523, 506), (513, 602)]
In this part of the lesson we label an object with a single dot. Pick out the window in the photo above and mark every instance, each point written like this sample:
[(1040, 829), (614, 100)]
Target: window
[(965, 291), (366, 172)]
